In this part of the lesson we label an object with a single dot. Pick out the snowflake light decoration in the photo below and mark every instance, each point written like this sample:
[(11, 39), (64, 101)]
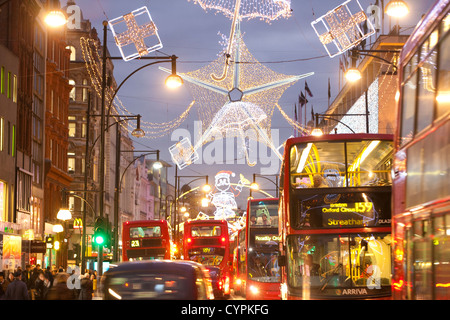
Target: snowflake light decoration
[(136, 34), (342, 28)]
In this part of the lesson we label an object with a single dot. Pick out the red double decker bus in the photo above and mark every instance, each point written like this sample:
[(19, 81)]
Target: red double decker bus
[(146, 240), (421, 183), (207, 242), (258, 274), (335, 217)]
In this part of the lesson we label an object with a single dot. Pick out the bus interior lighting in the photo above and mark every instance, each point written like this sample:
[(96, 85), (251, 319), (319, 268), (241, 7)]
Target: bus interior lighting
[(369, 149), (304, 157)]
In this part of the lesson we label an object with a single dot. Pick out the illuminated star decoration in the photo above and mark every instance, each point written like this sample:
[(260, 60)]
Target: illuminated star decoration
[(135, 31), (237, 10), (247, 95), (342, 28)]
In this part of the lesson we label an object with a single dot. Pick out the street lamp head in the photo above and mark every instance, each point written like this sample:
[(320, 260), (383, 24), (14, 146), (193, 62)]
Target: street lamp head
[(254, 186), (57, 228), (138, 133), (55, 18), (64, 214), (157, 165), (206, 188), (397, 9), (174, 81), (317, 132), (352, 74), (205, 202)]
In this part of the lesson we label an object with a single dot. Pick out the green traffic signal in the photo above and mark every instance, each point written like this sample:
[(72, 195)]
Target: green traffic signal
[(101, 236), (99, 239)]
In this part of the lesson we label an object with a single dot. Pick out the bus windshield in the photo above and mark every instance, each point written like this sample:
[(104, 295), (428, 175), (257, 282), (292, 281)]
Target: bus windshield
[(263, 257), (340, 265), (264, 213), (263, 241), (336, 164)]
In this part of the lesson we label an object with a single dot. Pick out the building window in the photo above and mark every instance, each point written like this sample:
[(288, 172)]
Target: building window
[(3, 200), (85, 90), (2, 121), (72, 92), (72, 129), (2, 80), (73, 53), (71, 162)]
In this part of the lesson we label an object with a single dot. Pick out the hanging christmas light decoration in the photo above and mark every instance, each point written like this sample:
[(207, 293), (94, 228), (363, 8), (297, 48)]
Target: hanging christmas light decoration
[(136, 34), (341, 28), (244, 99), (93, 62), (237, 10)]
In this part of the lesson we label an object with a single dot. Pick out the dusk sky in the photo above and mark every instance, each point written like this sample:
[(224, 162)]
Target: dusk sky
[(191, 33)]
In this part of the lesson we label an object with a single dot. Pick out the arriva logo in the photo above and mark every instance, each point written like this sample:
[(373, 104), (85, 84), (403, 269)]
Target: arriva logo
[(73, 282), (354, 291)]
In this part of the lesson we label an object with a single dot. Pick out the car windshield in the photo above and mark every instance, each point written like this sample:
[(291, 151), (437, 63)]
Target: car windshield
[(146, 286)]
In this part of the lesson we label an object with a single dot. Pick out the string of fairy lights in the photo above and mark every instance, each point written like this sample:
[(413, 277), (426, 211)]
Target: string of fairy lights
[(268, 10), (90, 51)]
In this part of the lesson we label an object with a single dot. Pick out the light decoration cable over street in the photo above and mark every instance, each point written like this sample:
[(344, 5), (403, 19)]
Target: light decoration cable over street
[(93, 63)]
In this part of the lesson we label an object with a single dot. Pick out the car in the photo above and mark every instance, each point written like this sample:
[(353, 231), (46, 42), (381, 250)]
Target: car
[(220, 283), (157, 280)]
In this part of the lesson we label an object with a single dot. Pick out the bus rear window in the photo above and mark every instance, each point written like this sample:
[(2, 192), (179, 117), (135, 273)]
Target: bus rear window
[(206, 231), (145, 232)]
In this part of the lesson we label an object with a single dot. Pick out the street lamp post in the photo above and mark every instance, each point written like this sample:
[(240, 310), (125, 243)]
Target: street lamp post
[(205, 188), (254, 186), (118, 187), (173, 80)]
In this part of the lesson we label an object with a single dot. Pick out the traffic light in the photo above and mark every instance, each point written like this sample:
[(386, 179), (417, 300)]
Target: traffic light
[(101, 234)]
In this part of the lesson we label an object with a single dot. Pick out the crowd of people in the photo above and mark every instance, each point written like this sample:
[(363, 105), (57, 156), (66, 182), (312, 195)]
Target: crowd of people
[(53, 283)]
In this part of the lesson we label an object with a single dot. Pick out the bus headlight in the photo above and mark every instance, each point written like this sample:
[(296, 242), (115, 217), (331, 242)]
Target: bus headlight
[(254, 290), (283, 289)]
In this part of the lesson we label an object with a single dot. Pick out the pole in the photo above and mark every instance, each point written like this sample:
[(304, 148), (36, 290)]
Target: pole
[(102, 145), (116, 196), (367, 111), (174, 231), (86, 161)]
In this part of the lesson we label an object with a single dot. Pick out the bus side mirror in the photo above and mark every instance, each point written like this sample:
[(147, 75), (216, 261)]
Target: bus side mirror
[(281, 261)]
